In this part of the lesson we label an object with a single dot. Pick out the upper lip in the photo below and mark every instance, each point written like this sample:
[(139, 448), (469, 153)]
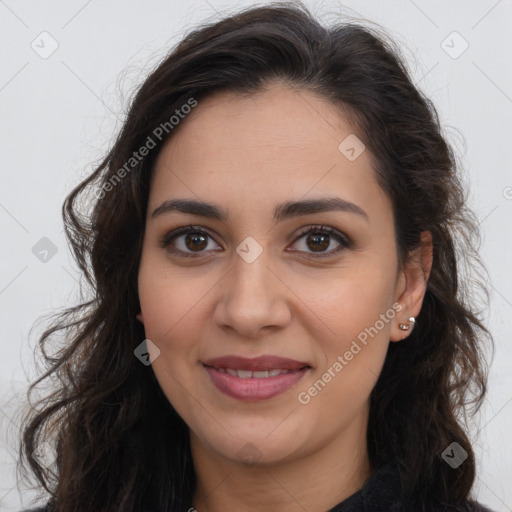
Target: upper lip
[(265, 362)]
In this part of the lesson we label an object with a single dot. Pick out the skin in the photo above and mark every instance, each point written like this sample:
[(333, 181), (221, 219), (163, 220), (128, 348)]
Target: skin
[(247, 154)]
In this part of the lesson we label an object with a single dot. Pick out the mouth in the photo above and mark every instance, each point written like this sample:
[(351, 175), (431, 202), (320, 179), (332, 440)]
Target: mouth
[(248, 374), (255, 379)]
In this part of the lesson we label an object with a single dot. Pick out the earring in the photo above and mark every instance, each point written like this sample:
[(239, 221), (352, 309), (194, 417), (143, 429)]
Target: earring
[(410, 325)]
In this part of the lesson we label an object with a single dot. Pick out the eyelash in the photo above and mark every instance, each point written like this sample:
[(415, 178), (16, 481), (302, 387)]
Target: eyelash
[(344, 241)]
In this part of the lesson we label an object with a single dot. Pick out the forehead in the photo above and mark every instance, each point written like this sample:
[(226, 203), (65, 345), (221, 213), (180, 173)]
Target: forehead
[(263, 149)]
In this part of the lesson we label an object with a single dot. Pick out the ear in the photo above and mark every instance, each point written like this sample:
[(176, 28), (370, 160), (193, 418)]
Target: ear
[(139, 317), (412, 285)]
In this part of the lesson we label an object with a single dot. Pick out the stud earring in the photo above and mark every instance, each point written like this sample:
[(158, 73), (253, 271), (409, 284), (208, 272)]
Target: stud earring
[(410, 325)]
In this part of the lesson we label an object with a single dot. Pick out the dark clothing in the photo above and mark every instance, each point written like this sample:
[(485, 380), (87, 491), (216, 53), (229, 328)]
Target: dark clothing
[(380, 493)]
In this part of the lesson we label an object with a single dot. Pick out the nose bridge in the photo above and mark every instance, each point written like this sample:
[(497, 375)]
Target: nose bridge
[(251, 283), (252, 297), (250, 273)]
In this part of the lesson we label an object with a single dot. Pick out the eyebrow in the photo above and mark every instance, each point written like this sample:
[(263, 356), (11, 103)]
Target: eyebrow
[(282, 211)]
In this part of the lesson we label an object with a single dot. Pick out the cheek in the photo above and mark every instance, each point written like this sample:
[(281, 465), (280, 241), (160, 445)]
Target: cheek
[(169, 300), (359, 316), (359, 313), (351, 303), (170, 305)]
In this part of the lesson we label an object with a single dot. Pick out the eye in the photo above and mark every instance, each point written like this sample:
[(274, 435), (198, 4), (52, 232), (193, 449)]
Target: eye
[(319, 238), (187, 238), (192, 241)]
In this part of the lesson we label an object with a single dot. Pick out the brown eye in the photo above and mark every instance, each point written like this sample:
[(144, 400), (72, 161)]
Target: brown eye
[(314, 242), (187, 241), (196, 242), (318, 242)]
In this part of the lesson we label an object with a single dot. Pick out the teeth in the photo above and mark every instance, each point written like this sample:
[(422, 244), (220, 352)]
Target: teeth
[(247, 374)]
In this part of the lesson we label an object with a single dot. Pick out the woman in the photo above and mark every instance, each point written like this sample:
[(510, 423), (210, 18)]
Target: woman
[(277, 320)]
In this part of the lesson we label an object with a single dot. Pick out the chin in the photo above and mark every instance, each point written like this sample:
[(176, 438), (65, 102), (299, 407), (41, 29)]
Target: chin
[(251, 446)]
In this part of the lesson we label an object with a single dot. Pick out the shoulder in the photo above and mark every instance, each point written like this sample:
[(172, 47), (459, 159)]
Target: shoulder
[(467, 506), (382, 491)]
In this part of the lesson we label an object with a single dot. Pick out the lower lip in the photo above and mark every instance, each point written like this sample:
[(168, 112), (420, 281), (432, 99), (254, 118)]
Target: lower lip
[(252, 388)]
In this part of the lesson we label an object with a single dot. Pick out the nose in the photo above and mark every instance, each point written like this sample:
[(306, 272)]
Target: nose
[(253, 299)]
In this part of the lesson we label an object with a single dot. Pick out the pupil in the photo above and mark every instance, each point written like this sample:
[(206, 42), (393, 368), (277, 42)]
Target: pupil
[(194, 239), (316, 238)]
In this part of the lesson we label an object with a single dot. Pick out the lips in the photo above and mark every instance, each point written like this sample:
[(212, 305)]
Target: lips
[(248, 374), (254, 379), (261, 363)]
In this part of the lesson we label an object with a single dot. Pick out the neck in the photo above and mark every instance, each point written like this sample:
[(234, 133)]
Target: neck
[(316, 481)]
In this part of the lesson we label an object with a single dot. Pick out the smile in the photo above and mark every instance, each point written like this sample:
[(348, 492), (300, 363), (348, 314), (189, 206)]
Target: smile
[(247, 374), (257, 378)]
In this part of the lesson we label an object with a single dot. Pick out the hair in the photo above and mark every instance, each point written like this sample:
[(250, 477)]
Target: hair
[(120, 444)]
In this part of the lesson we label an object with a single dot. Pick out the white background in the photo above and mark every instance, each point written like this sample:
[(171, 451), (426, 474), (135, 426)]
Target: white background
[(59, 114)]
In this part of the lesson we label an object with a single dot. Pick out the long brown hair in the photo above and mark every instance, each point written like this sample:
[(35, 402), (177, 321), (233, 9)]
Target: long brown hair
[(120, 445)]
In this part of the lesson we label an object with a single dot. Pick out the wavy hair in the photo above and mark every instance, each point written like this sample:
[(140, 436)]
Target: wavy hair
[(120, 445)]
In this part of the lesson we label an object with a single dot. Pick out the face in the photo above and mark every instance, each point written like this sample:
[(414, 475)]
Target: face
[(307, 298)]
